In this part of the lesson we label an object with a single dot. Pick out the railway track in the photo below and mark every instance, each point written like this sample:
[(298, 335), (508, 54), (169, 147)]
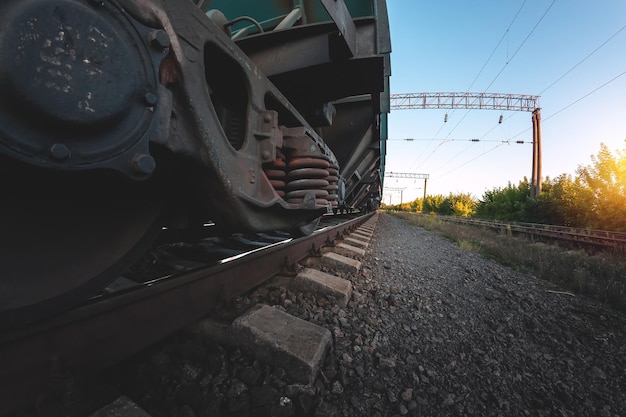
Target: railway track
[(128, 317), (587, 237)]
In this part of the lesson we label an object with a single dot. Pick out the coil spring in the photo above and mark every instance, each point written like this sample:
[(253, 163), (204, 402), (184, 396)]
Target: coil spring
[(333, 186), (303, 175), (307, 175), (277, 174)]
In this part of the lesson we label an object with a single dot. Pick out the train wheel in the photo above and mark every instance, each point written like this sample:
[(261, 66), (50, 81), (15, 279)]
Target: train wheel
[(57, 253)]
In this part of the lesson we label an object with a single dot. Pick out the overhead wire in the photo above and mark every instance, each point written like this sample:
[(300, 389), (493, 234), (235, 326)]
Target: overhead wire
[(563, 76), (508, 59), (521, 45), (498, 75), (474, 141), (446, 139), (585, 96), (497, 46), (573, 102), (583, 60), (443, 141), (473, 159), (450, 160), (415, 162), (493, 128)]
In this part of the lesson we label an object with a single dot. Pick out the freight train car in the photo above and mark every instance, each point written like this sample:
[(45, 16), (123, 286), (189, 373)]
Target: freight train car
[(119, 118)]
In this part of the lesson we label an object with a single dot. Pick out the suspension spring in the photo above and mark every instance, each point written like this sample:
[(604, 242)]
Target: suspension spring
[(277, 173), (333, 186), (307, 175)]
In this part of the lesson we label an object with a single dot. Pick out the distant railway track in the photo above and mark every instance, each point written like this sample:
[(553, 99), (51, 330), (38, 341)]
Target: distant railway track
[(588, 237), (116, 324)]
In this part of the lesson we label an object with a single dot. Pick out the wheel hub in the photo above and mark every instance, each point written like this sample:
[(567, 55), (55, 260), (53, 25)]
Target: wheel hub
[(81, 86)]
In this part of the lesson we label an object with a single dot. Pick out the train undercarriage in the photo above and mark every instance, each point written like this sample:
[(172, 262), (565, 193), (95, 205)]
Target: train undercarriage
[(120, 118)]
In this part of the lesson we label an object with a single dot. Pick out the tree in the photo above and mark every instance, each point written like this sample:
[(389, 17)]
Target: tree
[(463, 205), (569, 202), (606, 180), (416, 205), (505, 203), (437, 204)]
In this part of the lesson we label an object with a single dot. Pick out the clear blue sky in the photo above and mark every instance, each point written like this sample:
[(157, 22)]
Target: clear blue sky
[(441, 46)]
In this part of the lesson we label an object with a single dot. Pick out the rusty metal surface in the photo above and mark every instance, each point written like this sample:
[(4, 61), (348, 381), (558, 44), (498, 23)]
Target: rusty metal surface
[(162, 105), (107, 330), (356, 83), (180, 116), (231, 118)]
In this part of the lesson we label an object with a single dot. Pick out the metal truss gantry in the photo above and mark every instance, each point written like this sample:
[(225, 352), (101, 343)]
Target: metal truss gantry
[(483, 101), (486, 101), (409, 175), (395, 189)]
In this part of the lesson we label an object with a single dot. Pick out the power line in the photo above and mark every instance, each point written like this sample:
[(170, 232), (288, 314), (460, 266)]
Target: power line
[(521, 45), (583, 60), (458, 123), (454, 100), (427, 146), (485, 65), (453, 158), (583, 97), (496, 77), (498, 45), (563, 76), (443, 141), (574, 102), (472, 142), (483, 68), (476, 140), (499, 123), (472, 160)]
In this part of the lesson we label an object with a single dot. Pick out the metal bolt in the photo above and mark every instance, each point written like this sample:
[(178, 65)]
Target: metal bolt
[(159, 39), (142, 163), (59, 151), (267, 118), (150, 99), (266, 155)]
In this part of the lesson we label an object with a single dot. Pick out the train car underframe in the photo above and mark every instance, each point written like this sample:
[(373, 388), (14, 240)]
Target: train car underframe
[(122, 117)]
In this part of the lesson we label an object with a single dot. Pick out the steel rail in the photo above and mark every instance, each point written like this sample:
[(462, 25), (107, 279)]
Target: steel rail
[(106, 330), (596, 237)]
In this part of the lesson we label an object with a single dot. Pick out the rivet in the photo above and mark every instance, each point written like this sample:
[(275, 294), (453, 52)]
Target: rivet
[(59, 151), (267, 118), (97, 3), (266, 155), (159, 39), (150, 99), (142, 163)]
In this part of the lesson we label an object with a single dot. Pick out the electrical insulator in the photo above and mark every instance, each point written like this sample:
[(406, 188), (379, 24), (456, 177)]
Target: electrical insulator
[(445, 118), (500, 120), (521, 142)]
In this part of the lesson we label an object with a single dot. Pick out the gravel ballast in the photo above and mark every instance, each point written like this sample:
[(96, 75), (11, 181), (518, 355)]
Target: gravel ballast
[(430, 330)]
